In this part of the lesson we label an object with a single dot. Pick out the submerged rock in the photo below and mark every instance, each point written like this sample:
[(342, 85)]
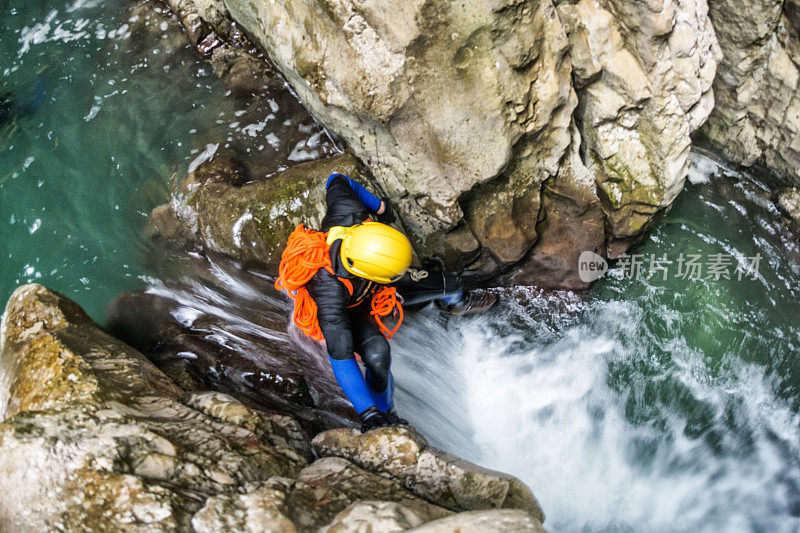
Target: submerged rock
[(95, 437)]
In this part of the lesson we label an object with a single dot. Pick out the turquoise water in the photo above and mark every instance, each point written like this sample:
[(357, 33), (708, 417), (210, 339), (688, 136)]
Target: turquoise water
[(126, 105), (650, 405), (80, 174)]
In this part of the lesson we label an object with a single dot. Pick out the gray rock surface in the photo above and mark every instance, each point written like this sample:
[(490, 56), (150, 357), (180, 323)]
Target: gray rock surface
[(95, 438), (498, 521), (789, 200), (369, 516), (403, 454), (757, 114), (469, 114)]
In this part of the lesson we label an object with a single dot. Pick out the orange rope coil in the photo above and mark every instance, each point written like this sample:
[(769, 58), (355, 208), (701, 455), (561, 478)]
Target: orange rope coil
[(384, 302), (306, 252)]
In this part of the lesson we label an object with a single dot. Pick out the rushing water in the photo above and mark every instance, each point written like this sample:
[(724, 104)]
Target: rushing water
[(651, 404)]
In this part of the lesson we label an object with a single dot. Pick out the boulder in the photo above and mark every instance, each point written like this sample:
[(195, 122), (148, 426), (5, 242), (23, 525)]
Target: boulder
[(339, 476), (498, 521), (96, 438), (789, 200), (94, 435), (367, 516), (261, 508), (402, 454)]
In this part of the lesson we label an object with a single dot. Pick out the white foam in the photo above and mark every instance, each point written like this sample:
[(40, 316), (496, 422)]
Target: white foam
[(548, 414), (701, 168)]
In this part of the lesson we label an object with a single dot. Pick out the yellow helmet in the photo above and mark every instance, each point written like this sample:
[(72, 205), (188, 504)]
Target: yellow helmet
[(376, 252)]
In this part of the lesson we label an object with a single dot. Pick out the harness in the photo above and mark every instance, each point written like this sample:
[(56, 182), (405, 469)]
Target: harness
[(306, 252)]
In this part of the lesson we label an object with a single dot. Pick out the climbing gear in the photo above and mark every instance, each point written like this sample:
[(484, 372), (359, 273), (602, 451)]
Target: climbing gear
[(384, 303), (376, 252), (306, 252), (373, 418)]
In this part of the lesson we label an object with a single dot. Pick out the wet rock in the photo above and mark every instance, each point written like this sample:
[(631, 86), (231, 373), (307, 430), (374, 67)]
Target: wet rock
[(757, 114), (252, 222), (366, 516), (94, 436), (282, 432), (572, 221), (242, 348), (260, 508), (339, 477), (402, 454), (789, 200), (480, 521), (467, 111)]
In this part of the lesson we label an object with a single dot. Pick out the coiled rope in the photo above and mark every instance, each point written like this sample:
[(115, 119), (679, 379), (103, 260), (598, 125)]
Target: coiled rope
[(306, 252)]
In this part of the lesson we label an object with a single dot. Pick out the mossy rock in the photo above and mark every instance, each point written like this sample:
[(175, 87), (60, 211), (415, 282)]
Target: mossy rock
[(252, 222)]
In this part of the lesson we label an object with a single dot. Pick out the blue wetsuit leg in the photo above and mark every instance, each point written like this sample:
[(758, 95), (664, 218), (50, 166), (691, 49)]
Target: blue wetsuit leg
[(351, 380)]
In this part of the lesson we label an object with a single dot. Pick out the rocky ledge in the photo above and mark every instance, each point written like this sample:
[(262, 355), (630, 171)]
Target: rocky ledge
[(96, 438)]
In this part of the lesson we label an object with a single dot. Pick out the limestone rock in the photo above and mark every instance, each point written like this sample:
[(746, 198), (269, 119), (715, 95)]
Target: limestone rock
[(789, 200), (757, 112), (95, 438), (261, 508), (500, 521), (368, 516), (644, 72), (253, 221), (341, 477), (48, 363), (402, 454), (466, 113)]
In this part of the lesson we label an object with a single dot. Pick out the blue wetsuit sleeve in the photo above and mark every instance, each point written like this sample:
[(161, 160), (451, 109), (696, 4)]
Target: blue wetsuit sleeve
[(370, 201), (352, 382)]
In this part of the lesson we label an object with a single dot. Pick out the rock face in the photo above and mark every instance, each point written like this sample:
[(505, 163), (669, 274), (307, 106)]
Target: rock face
[(96, 438), (252, 221), (496, 126), (789, 200), (757, 116)]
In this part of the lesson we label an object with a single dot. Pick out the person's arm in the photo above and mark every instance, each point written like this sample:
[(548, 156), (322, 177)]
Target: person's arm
[(331, 297), (369, 200), (349, 202)]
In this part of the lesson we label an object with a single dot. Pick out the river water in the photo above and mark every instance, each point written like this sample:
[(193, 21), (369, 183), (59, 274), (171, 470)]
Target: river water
[(657, 402)]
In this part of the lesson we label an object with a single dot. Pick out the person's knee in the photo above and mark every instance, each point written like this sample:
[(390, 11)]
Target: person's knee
[(377, 358)]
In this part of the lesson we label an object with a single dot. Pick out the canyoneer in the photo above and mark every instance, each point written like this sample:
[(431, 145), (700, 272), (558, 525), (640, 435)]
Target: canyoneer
[(346, 281)]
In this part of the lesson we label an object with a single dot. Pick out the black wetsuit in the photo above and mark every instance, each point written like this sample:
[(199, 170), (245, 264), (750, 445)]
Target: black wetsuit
[(345, 320)]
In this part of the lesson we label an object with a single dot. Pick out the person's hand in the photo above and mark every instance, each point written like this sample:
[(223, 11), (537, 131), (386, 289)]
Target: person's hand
[(385, 212), (373, 418)]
